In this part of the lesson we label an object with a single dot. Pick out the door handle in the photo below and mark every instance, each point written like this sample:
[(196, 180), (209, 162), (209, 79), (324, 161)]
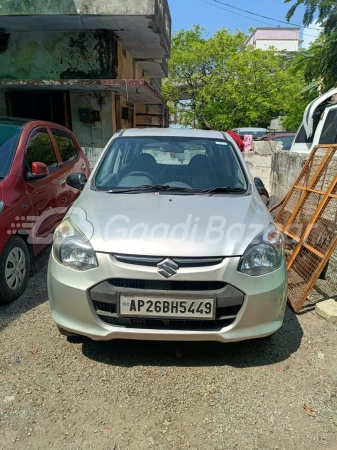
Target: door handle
[(62, 181)]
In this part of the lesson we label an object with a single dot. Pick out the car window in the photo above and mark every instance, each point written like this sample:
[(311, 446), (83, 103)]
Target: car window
[(329, 132), (65, 144), (114, 161), (9, 138), (285, 140), (193, 163), (181, 154), (301, 137), (40, 149)]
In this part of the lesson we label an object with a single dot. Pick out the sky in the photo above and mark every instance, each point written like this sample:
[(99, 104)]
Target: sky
[(186, 13)]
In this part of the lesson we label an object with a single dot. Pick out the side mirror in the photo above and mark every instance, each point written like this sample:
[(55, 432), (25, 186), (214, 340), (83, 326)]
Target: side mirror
[(39, 171), (261, 187), (262, 191), (77, 181)]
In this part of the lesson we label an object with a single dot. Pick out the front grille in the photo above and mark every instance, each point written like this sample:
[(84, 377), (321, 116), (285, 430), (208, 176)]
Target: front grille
[(105, 300), (172, 324), (105, 308), (167, 285), (153, 261)]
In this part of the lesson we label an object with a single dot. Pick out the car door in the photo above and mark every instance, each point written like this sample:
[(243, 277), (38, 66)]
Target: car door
[(49, 195), (71, 157), (308, 117)]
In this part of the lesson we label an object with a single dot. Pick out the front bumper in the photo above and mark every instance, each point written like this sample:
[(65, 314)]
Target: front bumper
[(72, 308)]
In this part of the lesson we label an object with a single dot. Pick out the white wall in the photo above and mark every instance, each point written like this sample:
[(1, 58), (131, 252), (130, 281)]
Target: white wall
[(291, 46)]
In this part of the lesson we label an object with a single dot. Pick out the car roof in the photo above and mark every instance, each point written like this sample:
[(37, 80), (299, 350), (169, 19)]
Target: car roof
[(282, 133), (15, 120), (250, 129), (171, 132)]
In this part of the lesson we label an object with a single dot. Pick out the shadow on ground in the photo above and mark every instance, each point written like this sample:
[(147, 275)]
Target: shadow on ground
[(242, 354), (35, 294)]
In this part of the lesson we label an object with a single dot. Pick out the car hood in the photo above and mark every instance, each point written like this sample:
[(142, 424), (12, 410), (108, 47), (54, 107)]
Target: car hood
[(170, 225)]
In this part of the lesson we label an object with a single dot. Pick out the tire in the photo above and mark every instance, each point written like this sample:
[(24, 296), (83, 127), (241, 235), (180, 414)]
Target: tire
[(66, 333), (14, 270)]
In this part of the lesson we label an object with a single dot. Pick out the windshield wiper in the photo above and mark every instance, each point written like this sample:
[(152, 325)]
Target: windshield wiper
[(223, 189), (152, 187)]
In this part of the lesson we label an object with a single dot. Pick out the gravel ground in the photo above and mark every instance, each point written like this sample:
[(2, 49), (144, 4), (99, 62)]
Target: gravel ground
[(78, 394)]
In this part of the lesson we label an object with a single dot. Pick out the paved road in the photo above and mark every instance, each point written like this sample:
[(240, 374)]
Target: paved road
[(57, 394)]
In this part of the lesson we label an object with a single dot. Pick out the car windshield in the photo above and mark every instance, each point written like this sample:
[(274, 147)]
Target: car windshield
[(9, 137), (186, 164), (286, 141), (255, 133)]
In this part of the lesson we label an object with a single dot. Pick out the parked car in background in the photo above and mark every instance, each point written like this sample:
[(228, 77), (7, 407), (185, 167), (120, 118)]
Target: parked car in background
[(255, 132), (36, 157), (319, 124), (168, 248), (286, 138)]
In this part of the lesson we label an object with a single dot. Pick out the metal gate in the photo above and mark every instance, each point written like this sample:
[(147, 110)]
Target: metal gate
[(308, 219)]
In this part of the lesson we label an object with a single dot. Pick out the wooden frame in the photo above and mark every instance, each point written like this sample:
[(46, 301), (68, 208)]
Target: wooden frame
[(307, 265)]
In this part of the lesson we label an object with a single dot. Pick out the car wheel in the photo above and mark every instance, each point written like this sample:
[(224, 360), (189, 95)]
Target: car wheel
[(14, 270)]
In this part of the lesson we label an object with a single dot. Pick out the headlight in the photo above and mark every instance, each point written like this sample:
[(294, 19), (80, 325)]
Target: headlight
[(265, 254), (72, 248)]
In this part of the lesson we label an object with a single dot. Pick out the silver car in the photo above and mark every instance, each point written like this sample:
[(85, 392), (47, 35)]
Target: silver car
[(169, 240)]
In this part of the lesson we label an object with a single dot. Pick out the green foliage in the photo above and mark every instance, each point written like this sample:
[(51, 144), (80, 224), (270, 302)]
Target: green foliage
[(326, 10), (319, 64), (40, 149), (220, 83)]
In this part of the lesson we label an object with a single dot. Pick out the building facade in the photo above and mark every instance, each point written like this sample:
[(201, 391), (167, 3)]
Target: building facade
[(281, 38), (94, 66)]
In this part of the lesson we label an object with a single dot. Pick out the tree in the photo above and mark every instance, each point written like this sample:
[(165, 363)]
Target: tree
[(319, 63), (220, 83), (326, 10)]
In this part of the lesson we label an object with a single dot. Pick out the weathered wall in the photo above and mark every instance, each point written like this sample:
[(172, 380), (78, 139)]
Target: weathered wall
[(93, 137), (259, 160), (278, 169), (53, 56), (143, 26), (140, 7), (150, 115), (37, 6), (3, 109), (285, 168), (125, 64)]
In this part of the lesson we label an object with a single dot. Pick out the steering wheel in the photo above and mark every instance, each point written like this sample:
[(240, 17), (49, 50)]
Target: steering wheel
[(140, 173)]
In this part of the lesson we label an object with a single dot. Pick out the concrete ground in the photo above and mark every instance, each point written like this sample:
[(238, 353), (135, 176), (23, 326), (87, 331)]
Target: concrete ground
[(58, 394)]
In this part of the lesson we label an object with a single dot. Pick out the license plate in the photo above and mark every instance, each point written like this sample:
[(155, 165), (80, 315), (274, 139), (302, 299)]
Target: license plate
[(167, 308)]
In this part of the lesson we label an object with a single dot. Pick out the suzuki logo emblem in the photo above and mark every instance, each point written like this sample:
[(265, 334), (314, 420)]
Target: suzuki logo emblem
[(167, 268)]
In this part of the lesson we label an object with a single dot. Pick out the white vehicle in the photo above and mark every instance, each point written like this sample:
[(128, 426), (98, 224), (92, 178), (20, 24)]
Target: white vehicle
[(161, 249), (319, 124)]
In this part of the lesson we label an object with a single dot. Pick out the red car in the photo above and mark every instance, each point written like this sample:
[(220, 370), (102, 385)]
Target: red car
[(36, 157)]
